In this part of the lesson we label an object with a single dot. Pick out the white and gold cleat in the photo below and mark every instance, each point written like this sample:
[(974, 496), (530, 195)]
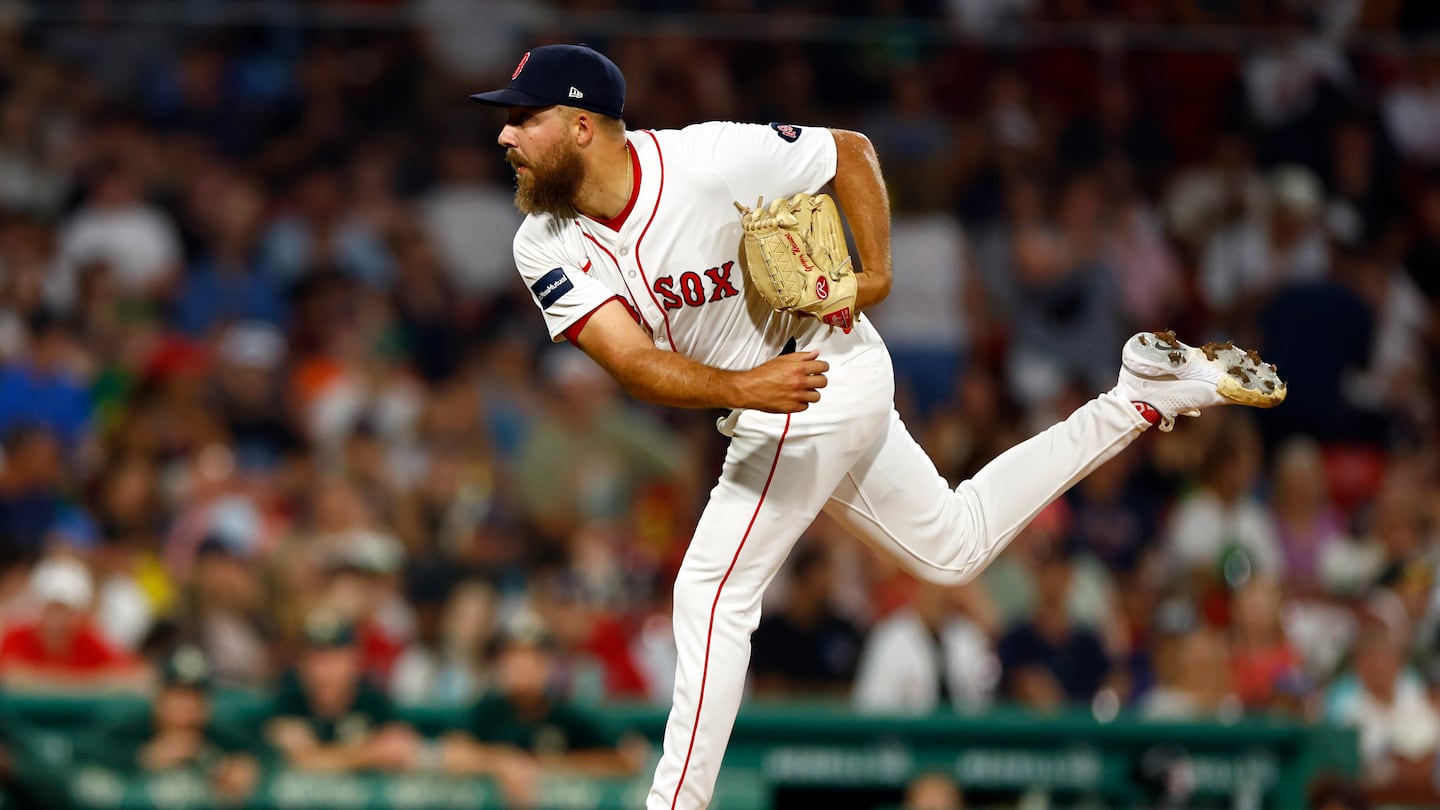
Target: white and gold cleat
[(1180, 380)]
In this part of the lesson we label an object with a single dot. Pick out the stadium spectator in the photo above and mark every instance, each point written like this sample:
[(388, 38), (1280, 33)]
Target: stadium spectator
[(124, 610), (46, 387), (915, 140), (1249, 260), (519, 731), (1148, 273), (979, 425), (431, 316), (1193, 672), (61, 648), (445, 664), (1207, 197), (587, 455), (1265, 667), (1389, 704), (1307, 526), (1065, 308), (1293, 81), (1386, 388), (178, 732), (926, 657), (333, 512), (32, 172), (1328, 411), (805, 646), (1014, 581), (581, 610), (1048, 660), (226, 282), (466, 216), (929, 315), (31, 494), (320, 232), (1423, 253), (1115, 129), (117, 227), (1412, 111), (361, 587), (1358, 175), (933, 791), (1113, 518), (1223, 517), (248, 394), (1393, 536), (222, 614), (329, 718)]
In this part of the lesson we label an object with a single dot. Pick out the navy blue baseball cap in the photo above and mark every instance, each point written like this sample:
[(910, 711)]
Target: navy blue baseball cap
[(572, 75)]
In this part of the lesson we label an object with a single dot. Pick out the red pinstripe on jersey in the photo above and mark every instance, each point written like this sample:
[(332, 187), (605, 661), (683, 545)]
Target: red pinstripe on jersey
[(661, 191)]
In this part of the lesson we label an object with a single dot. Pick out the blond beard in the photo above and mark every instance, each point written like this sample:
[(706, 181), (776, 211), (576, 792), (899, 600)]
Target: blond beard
[(551, 186)]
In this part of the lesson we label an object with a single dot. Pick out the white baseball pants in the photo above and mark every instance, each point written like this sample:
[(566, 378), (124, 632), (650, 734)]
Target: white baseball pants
[(849, 455)]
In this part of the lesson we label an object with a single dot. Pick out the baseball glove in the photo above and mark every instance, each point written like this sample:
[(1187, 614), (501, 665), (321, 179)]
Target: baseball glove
[(793, 251)]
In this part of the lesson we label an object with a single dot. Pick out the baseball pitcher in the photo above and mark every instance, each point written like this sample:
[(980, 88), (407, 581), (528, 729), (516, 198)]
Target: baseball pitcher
[(687, 263)]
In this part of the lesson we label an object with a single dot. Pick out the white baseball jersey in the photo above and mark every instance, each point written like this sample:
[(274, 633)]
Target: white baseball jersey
[(673, 258)]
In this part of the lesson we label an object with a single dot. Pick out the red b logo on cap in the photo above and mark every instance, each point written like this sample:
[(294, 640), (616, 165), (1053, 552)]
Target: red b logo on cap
[(520, 66)]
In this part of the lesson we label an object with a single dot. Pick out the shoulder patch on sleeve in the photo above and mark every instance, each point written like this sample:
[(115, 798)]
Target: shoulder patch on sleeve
[(551, 286), (789, 132)]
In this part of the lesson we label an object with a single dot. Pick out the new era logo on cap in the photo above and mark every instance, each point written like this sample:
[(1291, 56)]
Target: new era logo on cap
[(553, 74)]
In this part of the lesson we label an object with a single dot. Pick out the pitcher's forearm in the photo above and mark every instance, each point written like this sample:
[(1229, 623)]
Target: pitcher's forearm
[(786, 384), (668, 378), (860, 191)]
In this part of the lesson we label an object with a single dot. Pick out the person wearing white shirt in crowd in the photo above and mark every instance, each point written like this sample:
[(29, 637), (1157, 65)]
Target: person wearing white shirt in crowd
[(926, 656), (117, 228), (1223, 516), (927, 316), (1283, 80), (471, 222), (1412, 112), (1389, 705), (1259, 254)]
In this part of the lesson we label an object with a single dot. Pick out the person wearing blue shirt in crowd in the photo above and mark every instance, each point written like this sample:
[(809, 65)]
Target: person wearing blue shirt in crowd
[(40, 388)]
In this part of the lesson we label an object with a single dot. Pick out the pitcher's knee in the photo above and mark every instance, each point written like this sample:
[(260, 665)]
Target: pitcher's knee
[(721, 601), (692, 590)]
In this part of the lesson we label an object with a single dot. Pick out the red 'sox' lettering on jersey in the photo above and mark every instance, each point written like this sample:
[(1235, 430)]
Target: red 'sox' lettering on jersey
[(688, 290)]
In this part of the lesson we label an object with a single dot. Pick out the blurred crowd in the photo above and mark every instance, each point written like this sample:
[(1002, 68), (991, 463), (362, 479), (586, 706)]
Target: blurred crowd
[(265, 366)]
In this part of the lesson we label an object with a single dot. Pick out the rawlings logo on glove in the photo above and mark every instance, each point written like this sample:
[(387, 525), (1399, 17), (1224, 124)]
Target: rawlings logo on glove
[(794, 253)]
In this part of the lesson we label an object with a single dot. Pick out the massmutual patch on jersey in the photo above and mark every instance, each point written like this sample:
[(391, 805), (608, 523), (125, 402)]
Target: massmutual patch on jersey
[(789, 132), (551, 286)]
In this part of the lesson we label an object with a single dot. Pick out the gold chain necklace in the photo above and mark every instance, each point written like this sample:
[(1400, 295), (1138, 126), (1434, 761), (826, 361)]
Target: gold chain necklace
[(629, 167)]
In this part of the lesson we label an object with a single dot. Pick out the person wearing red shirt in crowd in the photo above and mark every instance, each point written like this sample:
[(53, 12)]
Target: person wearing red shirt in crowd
[(1265, 668), (61, 647)]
